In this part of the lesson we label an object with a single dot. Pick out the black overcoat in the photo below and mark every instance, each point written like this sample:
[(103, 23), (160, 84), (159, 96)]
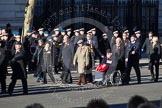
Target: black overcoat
[(17, 65), (67, 54), (2, 64)]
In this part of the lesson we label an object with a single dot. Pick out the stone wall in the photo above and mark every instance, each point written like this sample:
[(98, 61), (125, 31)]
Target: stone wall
[(12, 11)]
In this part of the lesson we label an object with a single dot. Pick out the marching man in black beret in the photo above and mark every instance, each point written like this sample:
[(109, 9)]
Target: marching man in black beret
[(132, 59), (19, 71)]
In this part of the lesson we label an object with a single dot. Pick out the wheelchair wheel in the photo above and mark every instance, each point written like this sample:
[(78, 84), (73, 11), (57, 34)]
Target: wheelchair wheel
[(99, 83), (115, 78)]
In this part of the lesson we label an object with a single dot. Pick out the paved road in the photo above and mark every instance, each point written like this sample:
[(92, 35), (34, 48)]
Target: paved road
[(66, 96)]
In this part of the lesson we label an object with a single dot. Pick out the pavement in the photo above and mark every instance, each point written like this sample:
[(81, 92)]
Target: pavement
[(72, 96)]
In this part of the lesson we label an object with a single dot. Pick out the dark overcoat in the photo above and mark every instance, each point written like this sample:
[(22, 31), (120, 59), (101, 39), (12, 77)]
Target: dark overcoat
[(47, 61), (118, 61), (113, 41), (147, 45), (2, 64), (55, 53), (38, 57), (67, 54), (17, 65), (104, 44)]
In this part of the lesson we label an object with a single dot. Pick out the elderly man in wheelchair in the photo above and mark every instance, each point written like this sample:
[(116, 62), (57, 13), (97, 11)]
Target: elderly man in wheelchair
[(107, 73)]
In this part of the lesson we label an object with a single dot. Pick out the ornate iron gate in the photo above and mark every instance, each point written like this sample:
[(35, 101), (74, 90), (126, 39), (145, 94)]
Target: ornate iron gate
[(141, 14)]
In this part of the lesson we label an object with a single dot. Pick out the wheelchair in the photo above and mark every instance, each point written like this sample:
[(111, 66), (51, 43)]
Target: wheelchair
[(103, 79)]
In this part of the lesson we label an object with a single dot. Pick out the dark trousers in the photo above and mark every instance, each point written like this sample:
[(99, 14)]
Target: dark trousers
[(55, 68), (93, 60), (59, 66), (31, 65), (121, 67), (135, 65), (66, 75), (39, 72), (28, 61), (3, 84), (13, 82), (89, 77), (156, 70), (50, 74)]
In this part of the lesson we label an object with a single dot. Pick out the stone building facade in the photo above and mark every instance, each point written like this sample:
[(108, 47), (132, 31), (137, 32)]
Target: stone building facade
[(160, 19), (12, 11)]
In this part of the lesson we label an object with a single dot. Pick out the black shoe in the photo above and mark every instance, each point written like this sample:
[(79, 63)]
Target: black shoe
[(10, 93), (152, 79), (34, 75), (25, 93), (139, 82), (155, 80), (38, 81), (125, 83), (3, 92), (44, 82), (69, 82), (56, 73)]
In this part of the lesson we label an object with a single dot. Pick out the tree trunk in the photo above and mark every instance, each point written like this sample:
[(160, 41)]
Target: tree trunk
[(29, 14)]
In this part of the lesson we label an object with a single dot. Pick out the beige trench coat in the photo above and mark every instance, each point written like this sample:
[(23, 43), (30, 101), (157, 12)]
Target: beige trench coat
[(81, 57)]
